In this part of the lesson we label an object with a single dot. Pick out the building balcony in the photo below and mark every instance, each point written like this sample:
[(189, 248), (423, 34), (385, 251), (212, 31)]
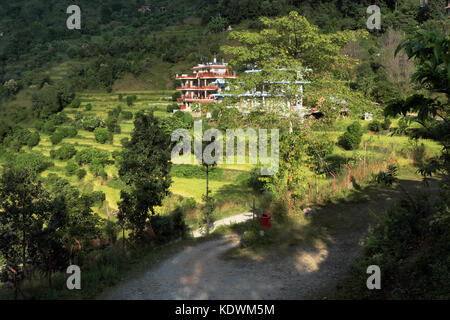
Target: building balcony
[(198, 88), (196, 99), (208, 75)]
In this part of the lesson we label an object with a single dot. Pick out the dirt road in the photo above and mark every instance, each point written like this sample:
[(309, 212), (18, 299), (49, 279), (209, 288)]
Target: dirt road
[(310, 272)]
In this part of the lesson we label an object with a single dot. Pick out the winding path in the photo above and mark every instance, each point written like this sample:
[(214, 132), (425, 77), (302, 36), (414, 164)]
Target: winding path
[(309, 272)]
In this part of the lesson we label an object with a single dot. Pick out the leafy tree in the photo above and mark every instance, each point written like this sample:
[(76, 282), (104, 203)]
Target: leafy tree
[(33, 161), (81, 173), (76, 103), (432, 56), (284, 50), (24, 208), (33, 139), (145, 169), (217, 24), (127, 115), (351, 139), (56, 138), (131, 100), (49, 127), (65, 152), (375, 126), (103, 135), (71, 168)]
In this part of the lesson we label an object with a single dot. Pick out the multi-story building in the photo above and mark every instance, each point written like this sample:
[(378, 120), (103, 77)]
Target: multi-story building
[(206, 81)]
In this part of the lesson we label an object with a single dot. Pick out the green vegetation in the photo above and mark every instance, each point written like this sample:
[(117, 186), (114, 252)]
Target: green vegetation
[(85, 144)]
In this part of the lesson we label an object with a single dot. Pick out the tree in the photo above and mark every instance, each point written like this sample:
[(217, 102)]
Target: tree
[(24, 208), (102, 135), (145, 170), (351, 139), (284, 50), (217, 24), (11, 86), (431, 53), (33, 139), (398, 67)]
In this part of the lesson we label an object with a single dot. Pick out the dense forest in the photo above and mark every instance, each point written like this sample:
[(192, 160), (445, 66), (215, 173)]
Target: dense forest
[(83, 161)]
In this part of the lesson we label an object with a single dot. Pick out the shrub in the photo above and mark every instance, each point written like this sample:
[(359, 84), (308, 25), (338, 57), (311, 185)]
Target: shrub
[(102, 135), (76, 103), (187, 118), (49, 127), (68, 132), (39, 125), (351, 139), (375, 126), (71, 168), (56, 138), (250, 238), (172, 107), (90, 123), (65, 152), (386, 124), (127, 115), (124, 141), (34, 161), (33, 139), (131, 100), (254, 181), (81, 173), (90, 155), (189, 204), (169, 227), (112, 125), (88, 107)]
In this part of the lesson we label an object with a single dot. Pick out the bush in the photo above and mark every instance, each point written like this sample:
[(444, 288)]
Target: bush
[(131, 100), (375, 126), (250, 238), (33, 139), (56, 138), (90, 155), (71, 168), (351, 139), (81, 173), (34, 161), (65, 152), (76, 103), (124, 141), (189, 204), (410, 245), (88, 107), (68, 132), (254, 181), (90, 123), (172, 107), (39, 125), (102, 135), (169, 227), (112, 125), (127, 115), (49, 127), (386, 124)]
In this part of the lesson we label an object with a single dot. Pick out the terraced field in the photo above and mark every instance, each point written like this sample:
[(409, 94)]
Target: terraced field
[(102, 103), (228, 185)]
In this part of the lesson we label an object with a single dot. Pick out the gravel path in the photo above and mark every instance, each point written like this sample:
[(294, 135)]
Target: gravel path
[(310, 272)]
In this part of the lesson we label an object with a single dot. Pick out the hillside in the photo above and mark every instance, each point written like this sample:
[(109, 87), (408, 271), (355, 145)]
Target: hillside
[(90, 129)]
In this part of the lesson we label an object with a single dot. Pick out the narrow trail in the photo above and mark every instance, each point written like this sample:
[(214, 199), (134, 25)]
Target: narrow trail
[(239, 218), (310, 272)]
